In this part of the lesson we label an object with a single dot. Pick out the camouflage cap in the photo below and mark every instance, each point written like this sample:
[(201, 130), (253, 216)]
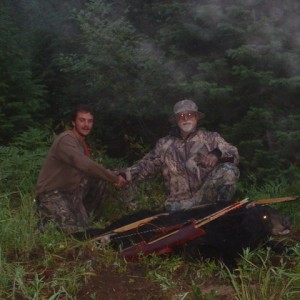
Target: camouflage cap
[(185, 106)]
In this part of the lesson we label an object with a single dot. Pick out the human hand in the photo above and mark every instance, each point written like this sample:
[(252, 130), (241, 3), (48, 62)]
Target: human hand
[(121, 182), (209, 160)]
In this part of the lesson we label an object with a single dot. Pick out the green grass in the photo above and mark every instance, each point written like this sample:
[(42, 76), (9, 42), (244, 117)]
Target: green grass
[(257, 278)]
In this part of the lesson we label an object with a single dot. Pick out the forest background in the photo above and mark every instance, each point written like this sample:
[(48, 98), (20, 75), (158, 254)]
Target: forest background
[(132, 60)]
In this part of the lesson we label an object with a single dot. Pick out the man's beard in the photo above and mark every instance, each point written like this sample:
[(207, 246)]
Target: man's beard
[(187, 127)]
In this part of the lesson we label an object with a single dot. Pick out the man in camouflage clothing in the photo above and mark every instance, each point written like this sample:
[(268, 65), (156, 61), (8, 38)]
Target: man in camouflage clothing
[(70, 185), (198, 166)]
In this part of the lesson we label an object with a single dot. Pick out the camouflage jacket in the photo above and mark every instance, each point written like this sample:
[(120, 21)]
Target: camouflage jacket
[(178, 161)]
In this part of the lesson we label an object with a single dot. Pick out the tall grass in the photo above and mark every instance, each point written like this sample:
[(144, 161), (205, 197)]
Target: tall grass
[(257, 279), (17, 226)]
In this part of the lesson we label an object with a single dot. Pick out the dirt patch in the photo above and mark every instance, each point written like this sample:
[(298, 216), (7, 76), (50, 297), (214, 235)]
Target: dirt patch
[(111, 284)]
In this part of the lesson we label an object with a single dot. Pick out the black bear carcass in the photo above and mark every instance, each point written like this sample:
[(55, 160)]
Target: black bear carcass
[(229, 235), (224, 237)]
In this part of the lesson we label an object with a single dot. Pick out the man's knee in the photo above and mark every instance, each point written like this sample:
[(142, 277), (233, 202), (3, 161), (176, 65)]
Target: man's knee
[(61, 208), (229, 173)]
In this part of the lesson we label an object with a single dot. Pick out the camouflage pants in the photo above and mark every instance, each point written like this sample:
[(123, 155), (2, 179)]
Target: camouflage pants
[(219, 186), (72, 210)]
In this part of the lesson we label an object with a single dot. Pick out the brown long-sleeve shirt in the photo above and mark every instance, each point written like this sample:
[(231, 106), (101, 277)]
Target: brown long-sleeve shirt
[(66, 164)]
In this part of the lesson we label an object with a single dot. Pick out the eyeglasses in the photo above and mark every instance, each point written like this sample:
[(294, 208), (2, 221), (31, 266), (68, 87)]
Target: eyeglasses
[(185, 115)]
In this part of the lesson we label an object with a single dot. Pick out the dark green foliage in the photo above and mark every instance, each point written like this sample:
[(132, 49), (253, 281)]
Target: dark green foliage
[(115, 73), (21, 161), (21, 95)]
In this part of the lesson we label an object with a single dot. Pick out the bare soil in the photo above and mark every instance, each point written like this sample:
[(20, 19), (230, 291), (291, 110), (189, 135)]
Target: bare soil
[(108, 283)]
